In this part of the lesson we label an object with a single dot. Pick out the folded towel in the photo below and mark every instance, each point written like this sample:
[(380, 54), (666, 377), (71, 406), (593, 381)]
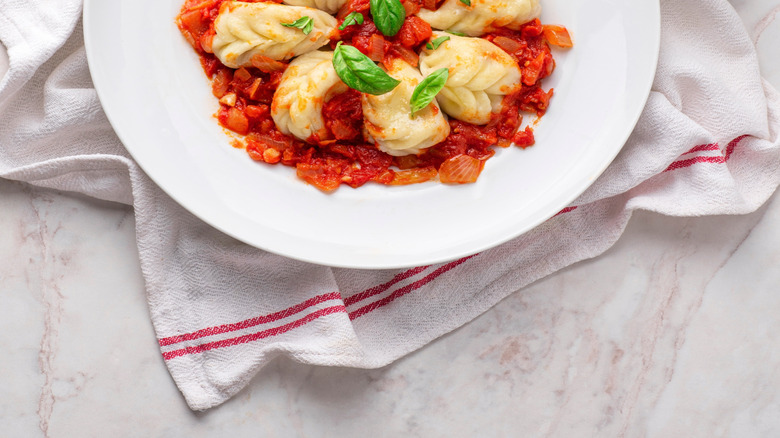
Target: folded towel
[(707, 143)]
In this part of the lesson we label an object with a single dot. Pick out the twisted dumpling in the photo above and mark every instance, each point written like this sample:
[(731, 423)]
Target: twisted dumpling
[(482, 16), (245, 29), (388, 120), (481, 74), (306, 85), (329, 6)]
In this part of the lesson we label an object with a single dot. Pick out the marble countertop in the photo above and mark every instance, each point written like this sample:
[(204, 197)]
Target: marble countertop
[(674, 332)]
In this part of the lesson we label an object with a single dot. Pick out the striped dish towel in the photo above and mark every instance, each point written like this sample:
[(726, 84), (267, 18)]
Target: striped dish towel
[(707, 143)]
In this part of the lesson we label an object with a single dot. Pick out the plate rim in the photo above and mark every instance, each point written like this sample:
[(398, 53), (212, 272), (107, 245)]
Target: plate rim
[(627, 130)]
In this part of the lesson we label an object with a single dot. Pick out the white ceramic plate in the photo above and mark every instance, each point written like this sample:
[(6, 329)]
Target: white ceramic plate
[(159, 102)]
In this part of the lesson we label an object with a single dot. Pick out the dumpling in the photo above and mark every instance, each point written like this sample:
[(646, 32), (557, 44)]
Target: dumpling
[(329, 6), (482, 16), (306, 85), (245, 29), (481, 74), (387, 118)]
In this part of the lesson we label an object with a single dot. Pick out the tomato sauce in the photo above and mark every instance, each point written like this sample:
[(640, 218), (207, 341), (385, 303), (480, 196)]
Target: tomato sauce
[(339, 155)]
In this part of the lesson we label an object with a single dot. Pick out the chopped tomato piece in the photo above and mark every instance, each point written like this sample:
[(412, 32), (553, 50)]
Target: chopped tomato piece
[(525, 138), (413, 32)]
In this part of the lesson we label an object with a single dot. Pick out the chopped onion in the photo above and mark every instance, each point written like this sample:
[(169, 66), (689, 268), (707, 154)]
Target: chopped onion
[(413, 176), (266, 64), (228, 99), (460, 169), (557, 36)]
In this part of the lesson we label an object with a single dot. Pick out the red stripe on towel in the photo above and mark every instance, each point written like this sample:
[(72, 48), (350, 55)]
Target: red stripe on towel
[(384, 286), (254, 336), (225, 328), (406, 289)]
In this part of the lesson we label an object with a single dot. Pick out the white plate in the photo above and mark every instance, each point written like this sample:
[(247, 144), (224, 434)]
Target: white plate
[(159, 102)]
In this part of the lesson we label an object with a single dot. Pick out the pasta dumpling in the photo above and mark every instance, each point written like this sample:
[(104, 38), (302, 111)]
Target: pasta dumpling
[(329, 6), (243, 30), (306, 85), (387, 118), (481, 74), (482, 16)]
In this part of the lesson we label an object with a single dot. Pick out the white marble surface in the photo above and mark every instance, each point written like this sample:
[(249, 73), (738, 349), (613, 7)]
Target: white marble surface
[(674, 332)]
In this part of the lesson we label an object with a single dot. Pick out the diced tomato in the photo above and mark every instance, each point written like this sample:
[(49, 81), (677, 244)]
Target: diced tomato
[(524, 138), (343, 115), (326, 175), (531, 29), (413, 32), (533, 70)]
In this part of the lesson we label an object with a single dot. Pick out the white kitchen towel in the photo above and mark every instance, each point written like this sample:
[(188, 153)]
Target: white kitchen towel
[(707, 143)]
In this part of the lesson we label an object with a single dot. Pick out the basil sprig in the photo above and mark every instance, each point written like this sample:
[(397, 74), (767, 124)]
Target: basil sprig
[(354, 18), (359, 72), (305, 23), (434, 44), (427, 89), (388, 15), (456, 33)]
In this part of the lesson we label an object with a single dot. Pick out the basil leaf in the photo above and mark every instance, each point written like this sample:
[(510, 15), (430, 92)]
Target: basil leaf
[(354, 18), (388, 15), (305, 23), (427, 89), (434, 44), (466, 2), (452, 32), (359, 72)]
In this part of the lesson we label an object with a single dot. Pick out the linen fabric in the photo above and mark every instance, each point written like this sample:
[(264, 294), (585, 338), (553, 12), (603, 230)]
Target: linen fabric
[(707, 143)]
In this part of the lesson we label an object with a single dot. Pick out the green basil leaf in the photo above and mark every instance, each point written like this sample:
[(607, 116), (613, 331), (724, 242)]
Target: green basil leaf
[(388, 15), (466, 2), (452, 32), (354, 18), (427, 89), (305, 23), (359, 72), (434, 44)]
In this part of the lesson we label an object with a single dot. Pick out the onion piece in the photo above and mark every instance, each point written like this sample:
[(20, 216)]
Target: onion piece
[(507, 44), (460, 169), (413, 176), (228, 99), (557, 36), (266, 64), (407, 55), (376, 48)]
